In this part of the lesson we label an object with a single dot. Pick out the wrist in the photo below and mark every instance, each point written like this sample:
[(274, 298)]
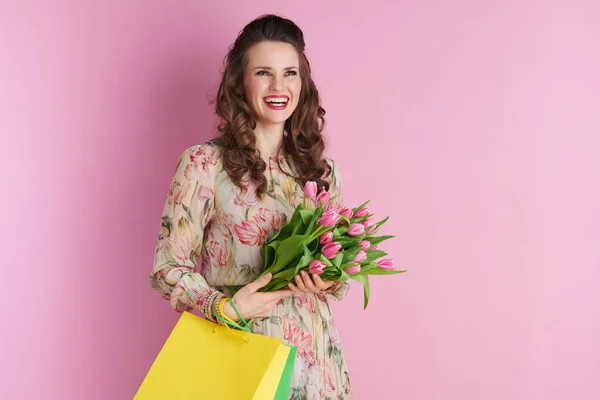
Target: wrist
[(333, 287), (230, 312)]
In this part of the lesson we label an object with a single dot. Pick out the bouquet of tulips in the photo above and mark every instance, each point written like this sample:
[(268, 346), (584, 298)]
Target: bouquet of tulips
[(337, 244)]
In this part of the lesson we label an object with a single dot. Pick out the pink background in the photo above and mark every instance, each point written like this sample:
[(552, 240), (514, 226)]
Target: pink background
[(474, 126)]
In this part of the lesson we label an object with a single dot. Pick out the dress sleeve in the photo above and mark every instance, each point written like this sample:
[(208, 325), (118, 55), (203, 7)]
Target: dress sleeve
[(339, 290), (186, 214)]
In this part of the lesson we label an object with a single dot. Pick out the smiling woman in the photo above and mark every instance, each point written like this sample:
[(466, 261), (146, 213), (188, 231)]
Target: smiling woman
[(272, 82), (230, 193)]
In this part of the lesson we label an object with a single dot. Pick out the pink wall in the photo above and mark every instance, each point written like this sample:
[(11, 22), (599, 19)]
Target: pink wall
[(478, 132)]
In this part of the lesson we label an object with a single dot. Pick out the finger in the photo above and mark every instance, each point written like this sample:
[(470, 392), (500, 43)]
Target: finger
[(319, 282), (260, 282), (300, 283), (293, 287), (282, 294), (309, 283)]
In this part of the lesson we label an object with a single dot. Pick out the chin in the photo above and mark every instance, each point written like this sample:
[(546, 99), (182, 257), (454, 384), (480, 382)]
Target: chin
[(270, 121)]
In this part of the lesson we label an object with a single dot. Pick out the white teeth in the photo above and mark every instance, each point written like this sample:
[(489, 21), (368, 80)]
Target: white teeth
[(276, 100)]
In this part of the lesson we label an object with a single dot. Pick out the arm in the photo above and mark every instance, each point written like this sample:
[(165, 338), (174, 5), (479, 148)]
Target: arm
[(187, 211)]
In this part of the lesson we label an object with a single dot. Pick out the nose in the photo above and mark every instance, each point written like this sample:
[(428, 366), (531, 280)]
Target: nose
[(276, 83)]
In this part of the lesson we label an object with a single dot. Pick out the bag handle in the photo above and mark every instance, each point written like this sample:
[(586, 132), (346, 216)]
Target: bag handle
[(229, 323)]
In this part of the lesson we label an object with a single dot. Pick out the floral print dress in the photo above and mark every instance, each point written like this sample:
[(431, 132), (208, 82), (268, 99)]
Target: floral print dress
[(207, 217)]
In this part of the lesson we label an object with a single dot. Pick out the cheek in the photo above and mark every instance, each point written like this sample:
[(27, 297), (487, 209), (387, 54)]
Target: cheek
[(253, 87), (297, 87)]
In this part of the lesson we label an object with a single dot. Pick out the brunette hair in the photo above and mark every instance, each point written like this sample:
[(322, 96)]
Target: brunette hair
[(303, 142)]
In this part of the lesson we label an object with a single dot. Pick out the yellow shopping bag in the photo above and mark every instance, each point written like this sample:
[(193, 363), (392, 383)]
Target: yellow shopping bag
[(203, 360)]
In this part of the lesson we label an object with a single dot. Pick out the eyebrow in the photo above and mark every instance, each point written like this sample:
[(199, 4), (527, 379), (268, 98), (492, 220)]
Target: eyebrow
[(269, 68)]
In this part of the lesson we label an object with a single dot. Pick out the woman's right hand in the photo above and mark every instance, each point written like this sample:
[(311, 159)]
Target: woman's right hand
[(253, 304)]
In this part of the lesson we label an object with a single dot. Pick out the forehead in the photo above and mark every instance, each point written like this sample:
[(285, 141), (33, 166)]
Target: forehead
[(273, 54)]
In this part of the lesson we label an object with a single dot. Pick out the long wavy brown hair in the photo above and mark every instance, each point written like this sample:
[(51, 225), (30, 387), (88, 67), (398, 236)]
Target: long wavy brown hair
[(303, 143)]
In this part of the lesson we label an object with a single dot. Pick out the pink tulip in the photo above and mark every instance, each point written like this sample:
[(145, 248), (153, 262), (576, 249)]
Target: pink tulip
[(367, 222), (323, 197), (330, 208), (356, 229), (363, 212), (354, 268), (316, 267), (310, 189), (329, 219), (375, 247), (365, 244), (325, 238), (387, 263), (346, 212), (361, 256), (330, 249)]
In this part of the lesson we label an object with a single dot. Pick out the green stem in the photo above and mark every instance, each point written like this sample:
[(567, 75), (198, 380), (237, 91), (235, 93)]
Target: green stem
[(317, 233)]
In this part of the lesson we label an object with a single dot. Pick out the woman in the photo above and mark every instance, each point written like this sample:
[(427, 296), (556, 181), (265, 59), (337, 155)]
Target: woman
[(228, 194)]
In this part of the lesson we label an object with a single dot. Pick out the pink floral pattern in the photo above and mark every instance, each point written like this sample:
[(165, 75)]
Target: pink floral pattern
[(207, 218)]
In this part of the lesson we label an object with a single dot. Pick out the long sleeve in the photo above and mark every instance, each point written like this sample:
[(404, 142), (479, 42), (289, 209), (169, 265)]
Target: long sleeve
[(339, 290), (186, 214)]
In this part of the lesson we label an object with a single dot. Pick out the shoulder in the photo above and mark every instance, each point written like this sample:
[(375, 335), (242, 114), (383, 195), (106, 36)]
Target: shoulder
[(201, 158)]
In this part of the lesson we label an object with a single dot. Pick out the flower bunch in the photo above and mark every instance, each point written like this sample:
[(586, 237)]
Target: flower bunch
[(336, 243)]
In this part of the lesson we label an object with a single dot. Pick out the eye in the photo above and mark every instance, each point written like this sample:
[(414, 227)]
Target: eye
[(293, 73), (263, 73)]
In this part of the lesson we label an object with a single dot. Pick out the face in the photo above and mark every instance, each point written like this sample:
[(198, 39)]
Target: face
[(272, 82)]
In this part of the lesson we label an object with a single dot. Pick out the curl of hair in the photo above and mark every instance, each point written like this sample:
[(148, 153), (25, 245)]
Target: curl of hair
[(303, 143)]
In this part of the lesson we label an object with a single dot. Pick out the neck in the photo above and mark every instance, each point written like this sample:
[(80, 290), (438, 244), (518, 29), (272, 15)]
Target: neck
[(269, 139)]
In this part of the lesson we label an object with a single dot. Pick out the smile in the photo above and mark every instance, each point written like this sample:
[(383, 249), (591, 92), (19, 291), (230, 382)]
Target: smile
[(276, 102)]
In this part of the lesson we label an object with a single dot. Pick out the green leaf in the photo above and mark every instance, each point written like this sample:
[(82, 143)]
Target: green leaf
[(292, 227), (299, 228), (305, 260), (278, 286), (375, 254), (344, 276), (381, 271), (344, 218), (315, 217), (287, 251), (364, 280), (285, 232), (330, 274), (383, 221), (348, 242), (337, 260), (350, 254), (286, 275), (335, 274), (361, 206), (378, 239), (365, 268), (306, 216), (358, 220), (270, 250)]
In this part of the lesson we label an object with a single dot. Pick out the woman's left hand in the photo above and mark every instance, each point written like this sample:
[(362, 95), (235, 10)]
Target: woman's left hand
[(304, 283)]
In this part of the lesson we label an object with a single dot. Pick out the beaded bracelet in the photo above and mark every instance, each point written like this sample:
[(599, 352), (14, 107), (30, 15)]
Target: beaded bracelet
[(215, 301), (205, 308)]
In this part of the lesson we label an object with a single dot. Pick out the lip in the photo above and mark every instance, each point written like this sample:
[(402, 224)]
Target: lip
[(273, 107)]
